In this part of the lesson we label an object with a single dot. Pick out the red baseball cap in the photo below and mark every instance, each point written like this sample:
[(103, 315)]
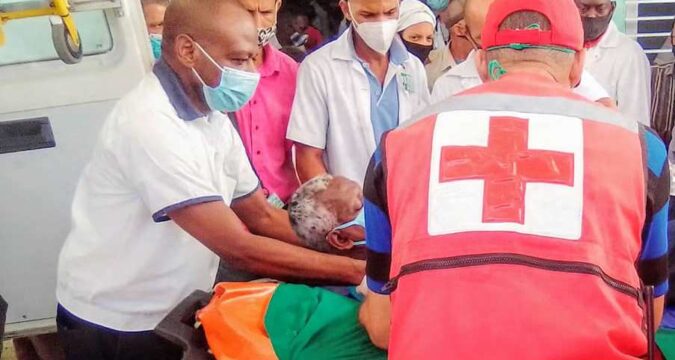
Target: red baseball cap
[(566, 29)]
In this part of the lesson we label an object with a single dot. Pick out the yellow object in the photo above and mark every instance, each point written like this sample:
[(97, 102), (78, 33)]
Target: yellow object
[(59, 8), (2, 35)]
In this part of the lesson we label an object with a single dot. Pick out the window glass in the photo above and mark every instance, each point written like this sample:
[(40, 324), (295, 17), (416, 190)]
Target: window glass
[(30, 40)]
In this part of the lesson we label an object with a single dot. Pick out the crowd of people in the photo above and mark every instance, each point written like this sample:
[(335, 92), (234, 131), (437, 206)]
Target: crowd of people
[(450, 157)]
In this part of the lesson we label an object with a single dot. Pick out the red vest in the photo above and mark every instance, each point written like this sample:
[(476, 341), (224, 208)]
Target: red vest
[(517, 210)]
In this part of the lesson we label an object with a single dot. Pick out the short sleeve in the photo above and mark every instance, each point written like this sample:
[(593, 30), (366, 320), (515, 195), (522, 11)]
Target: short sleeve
[(378, 224), (308, 124), (162, 166), (653, 263)]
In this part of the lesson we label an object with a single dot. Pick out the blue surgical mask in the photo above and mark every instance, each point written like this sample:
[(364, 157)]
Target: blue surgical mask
[(235, 89), (359, 220), (156, 44), (437, 5)]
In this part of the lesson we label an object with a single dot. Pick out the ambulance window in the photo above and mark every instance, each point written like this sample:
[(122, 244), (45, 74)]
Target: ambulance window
[(30, 40)]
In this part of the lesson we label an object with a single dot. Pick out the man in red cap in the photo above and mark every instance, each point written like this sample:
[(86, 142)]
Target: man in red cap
[(504, 232)]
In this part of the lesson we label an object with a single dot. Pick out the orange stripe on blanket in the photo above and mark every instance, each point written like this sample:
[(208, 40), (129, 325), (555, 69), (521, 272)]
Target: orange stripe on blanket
[(234, 321)]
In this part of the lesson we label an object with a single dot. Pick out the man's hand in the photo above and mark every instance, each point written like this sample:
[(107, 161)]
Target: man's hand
[(309, 162), (218, 228), (375, 316)]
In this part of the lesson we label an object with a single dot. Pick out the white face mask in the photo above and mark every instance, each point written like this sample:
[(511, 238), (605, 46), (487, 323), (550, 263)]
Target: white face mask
[(377, 35)]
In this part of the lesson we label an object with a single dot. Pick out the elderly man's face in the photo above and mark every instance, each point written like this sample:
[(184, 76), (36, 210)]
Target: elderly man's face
[(370, 10), (343, 197)]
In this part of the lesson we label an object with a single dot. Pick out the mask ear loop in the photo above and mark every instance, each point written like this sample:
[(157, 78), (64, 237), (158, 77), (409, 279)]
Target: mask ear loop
[(495, 70), (208, 56)]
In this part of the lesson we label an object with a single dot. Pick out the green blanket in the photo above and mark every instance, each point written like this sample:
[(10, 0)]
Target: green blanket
[(316, 324)]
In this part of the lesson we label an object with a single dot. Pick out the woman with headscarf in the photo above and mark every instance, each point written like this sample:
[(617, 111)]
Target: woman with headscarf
[(416, 27)]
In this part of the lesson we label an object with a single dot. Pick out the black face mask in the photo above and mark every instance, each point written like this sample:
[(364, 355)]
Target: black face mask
[(595, 27), (421, 51)]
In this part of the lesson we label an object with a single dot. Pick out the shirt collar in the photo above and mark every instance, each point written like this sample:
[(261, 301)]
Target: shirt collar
[(467, 69), (270, 65), (177, 96), (344, 49)]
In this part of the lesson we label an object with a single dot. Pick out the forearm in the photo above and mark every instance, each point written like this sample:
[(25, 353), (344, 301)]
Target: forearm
[(659, 305), (278, 260), (275, 224), (263, 219), (375, 316), (309, 163)]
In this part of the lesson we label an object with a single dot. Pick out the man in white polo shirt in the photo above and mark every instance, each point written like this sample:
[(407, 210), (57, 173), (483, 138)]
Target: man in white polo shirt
[(164, 192), (353, 90)]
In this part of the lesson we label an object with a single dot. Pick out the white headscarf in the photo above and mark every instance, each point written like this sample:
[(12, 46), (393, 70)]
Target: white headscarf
[(414, 12)]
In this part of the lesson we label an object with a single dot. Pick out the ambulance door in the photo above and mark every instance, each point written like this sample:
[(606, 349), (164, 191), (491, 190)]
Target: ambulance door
[(50, 116)]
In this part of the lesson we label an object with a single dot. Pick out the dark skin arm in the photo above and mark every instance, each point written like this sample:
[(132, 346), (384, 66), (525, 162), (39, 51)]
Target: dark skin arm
[(218, 228), (263, 219), (309, 162)]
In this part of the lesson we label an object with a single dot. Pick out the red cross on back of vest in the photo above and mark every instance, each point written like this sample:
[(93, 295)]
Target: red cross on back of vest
[(506, 165)]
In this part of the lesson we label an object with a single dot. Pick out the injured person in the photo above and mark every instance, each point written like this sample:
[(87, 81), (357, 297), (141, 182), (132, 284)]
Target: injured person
[(269, 320), (327, 215)]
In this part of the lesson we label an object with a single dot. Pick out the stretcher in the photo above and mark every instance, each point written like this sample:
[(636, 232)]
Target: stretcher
[(268, 321), (65, 36), (179, 328)]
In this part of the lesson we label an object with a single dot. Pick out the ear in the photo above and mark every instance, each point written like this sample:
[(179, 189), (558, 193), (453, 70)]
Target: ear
[(577, 68), (185, 50), (344, 6), (459, 29), (278, 5), (338, 241), (481, 65)]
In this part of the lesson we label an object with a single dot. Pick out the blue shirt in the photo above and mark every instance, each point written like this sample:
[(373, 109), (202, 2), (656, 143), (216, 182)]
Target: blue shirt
[(384, 102)]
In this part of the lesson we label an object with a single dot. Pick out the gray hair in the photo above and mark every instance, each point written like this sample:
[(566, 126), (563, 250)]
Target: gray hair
[(311, 219)]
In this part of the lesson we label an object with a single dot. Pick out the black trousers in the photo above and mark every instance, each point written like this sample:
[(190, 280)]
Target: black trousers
[(83, 340)]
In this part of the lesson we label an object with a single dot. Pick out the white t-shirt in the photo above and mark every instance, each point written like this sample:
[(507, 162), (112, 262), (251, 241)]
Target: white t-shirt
[(125, 265), (465, 76)]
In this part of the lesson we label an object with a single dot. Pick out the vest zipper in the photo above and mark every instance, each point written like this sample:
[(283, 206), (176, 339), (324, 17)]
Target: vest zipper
[(514, 259)]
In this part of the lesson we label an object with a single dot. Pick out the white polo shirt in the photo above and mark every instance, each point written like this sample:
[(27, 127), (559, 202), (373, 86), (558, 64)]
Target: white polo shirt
[(125, 265), (465, 76)]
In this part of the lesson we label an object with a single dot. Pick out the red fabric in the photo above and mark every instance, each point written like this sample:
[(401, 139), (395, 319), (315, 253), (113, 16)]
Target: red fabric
[(514, 311), (314, 38), (566, 28), (593, 43)]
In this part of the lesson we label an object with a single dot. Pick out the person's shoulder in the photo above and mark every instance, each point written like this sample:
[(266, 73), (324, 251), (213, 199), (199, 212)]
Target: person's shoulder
[(286, 63), (320, 55), (145, 110), (628, 46), (657, 155)]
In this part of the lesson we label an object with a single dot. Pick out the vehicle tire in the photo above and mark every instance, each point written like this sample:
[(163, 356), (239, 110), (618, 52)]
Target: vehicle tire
[(64, 46)]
